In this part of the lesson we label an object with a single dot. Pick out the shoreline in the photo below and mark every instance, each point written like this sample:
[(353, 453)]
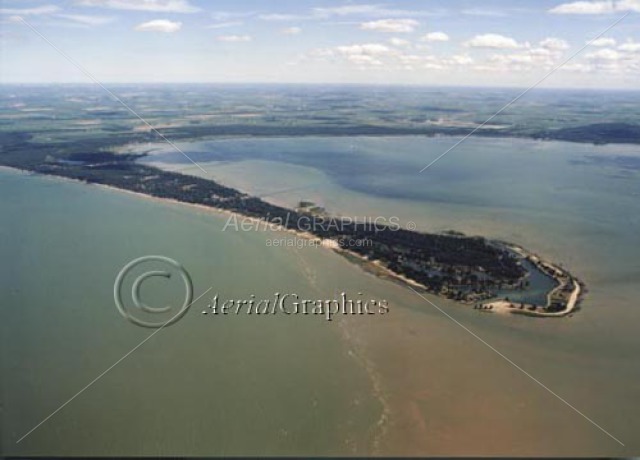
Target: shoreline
[(563, 279), (375, 267), (381, 424), (268, 226), (487, 135)]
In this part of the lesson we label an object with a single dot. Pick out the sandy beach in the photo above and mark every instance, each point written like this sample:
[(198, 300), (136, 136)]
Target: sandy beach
[(375, 267)]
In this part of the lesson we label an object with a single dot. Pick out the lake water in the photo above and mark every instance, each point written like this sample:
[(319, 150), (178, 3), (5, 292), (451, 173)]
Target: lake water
[(204, 386), (410, 382)]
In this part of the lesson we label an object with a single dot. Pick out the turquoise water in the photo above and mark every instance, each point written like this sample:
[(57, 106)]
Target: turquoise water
[(297, 385)]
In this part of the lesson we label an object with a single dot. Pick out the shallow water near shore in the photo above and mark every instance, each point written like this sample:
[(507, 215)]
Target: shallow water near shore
[(575, 204), (203, 386), (411, 382)]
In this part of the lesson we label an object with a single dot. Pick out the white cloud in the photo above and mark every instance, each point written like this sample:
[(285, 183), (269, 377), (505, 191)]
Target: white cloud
[(410, 59), (522, 58), (555, 44), (391, 25), (159, 25), (321, 53), (614, 62), (399, 42), (159, 6), (363, 55), (291, 31), (461, 59), (541, 52), (234, 38), (435, 37), (224, 25), (606, 54), (431, 62), (364, 60), (369, 49), (597, 7), (577, 67), (630, 47), (546, 55), (346, 10), (628, 5), (603, 41), (434, 66), (484, 12), (86, 20), (374, 55), (45, 9), (280, 17), (369, 10), (492, 41), (226, 16)]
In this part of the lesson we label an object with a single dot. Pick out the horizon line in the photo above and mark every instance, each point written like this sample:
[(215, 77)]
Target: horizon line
[(352, 84)]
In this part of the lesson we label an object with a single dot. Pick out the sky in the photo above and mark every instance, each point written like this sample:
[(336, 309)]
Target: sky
[(404, 42)]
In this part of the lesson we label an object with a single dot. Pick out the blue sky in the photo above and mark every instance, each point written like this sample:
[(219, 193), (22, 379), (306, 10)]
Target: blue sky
[(429, 42)]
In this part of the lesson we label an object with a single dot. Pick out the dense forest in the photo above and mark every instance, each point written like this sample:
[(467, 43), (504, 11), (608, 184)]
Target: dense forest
[(465, 268)]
